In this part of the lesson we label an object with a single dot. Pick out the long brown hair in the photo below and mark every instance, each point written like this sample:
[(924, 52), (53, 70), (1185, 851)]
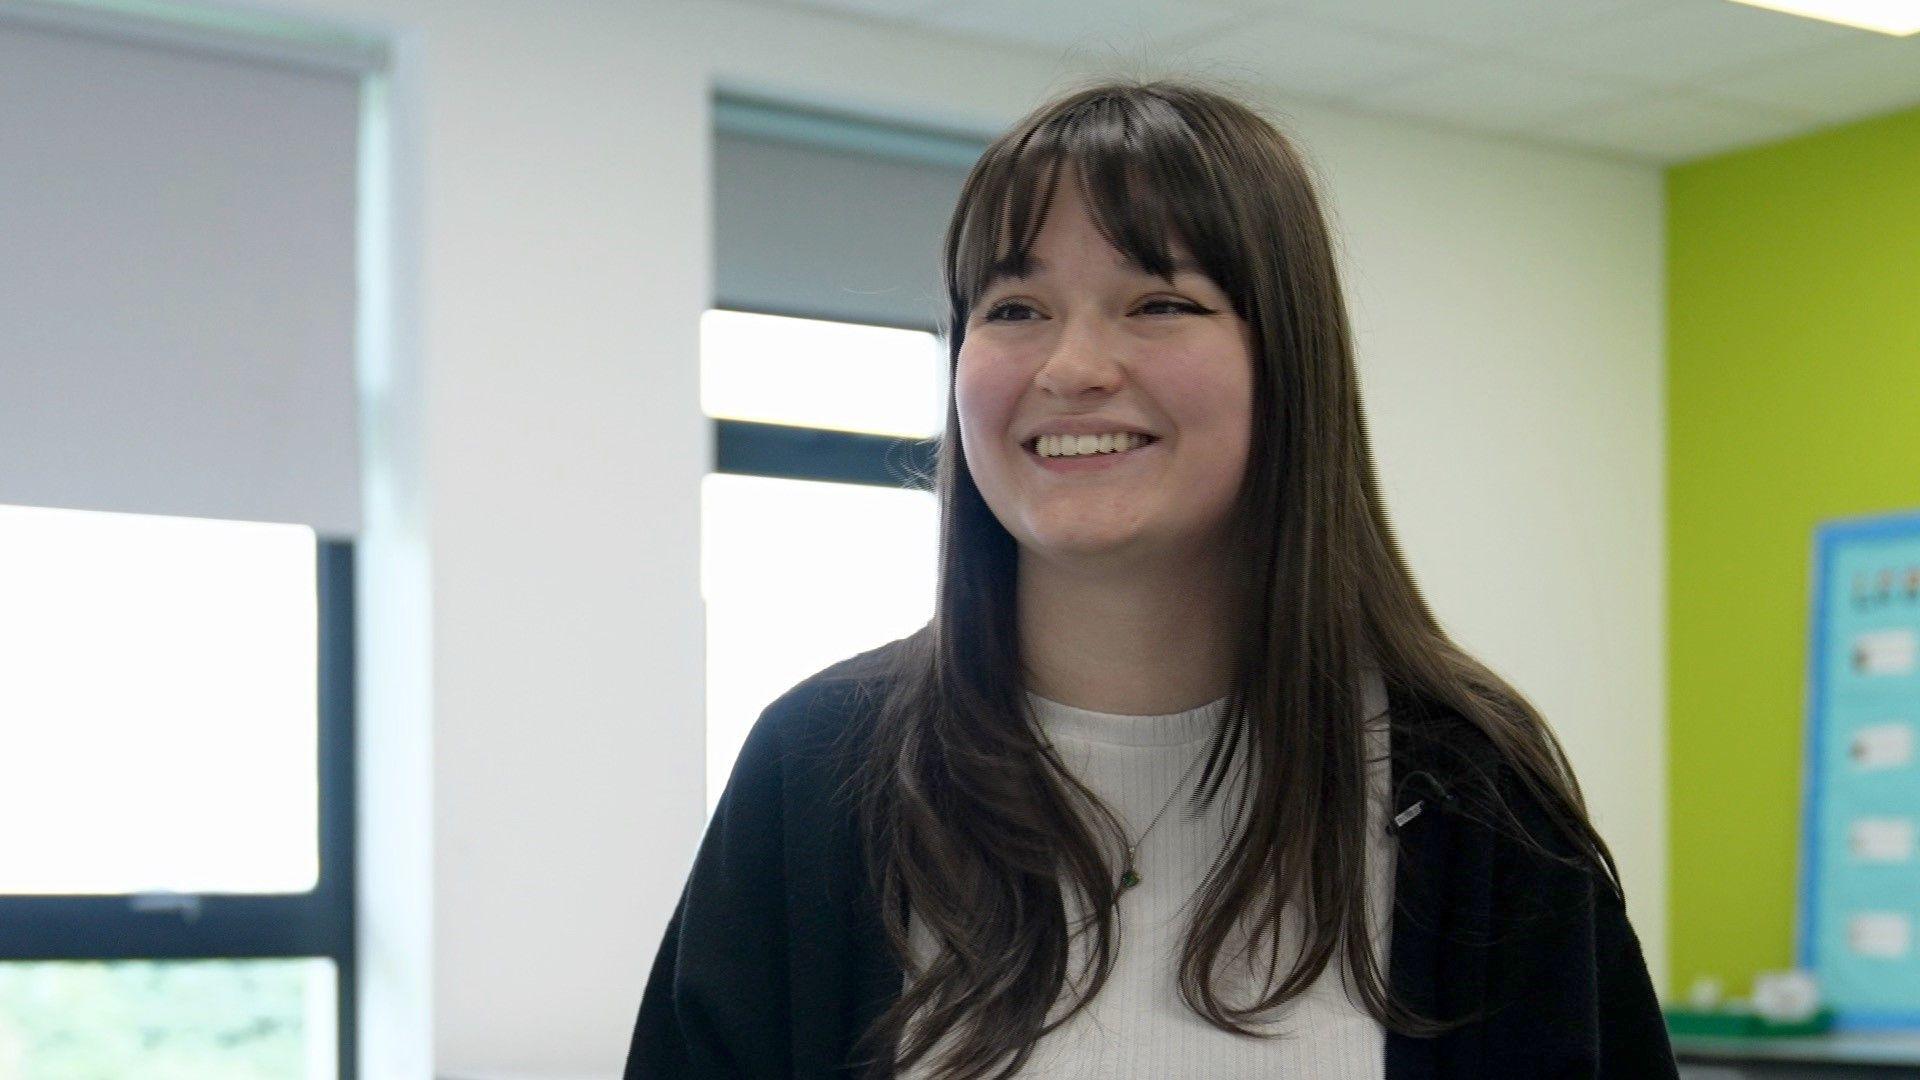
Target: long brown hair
[(970, 822)]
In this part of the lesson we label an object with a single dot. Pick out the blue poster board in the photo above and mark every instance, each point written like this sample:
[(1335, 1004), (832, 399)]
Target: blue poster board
[(1859, 919)]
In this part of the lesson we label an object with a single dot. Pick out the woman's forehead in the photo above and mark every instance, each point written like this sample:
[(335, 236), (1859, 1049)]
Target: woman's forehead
[(1165, 255), (1146, 215), (1137, 212)]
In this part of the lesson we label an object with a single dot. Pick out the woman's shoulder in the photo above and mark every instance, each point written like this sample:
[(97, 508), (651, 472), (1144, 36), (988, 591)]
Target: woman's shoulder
[(1437, 748), (811, 724), (1440, 751), (836, 694)]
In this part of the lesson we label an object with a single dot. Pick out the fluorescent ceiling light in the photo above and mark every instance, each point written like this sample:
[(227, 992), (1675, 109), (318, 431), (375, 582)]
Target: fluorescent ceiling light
[(1896, 17)]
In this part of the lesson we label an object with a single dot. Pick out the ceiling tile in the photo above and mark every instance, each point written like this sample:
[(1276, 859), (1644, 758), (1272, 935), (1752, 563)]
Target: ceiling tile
[(1681, 44), (1671, 126), (1312, 59), (1862, 78), (1474, 24), (1657, 80), (1497, 95), (1120, 26)]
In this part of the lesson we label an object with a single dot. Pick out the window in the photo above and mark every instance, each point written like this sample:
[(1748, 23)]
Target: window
[(819, 532), (817, 542), (175, 798)]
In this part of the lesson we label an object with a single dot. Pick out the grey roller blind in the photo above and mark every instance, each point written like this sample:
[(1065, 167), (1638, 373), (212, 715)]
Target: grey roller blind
[(177, 266), (832, 218)]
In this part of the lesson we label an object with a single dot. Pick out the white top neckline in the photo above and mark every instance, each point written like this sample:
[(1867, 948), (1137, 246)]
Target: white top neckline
[(1062, 721)]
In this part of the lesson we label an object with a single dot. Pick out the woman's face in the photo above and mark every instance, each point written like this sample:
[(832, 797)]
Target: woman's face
[(1089, 344)]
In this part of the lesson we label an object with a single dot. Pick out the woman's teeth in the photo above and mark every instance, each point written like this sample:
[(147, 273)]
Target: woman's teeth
[(1077, 445)]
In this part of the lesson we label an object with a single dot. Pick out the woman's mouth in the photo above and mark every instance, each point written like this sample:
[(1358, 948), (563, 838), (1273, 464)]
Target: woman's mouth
[(1087, 453)]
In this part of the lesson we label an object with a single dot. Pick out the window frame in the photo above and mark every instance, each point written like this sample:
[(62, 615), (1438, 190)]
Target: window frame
[(746, 448), (316, 924), (798, 452)]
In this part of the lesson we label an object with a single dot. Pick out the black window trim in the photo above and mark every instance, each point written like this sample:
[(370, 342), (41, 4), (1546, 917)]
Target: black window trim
[(189, 926), (801, 453), (794, 452)]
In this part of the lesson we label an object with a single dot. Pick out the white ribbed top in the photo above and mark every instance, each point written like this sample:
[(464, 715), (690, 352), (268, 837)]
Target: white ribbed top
[(1138, 1028)]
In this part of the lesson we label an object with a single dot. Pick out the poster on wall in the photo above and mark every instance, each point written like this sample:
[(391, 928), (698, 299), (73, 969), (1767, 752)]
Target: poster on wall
[(1859, 919)]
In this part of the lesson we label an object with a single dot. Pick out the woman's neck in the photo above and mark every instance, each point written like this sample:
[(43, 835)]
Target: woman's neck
[(1139, 643)]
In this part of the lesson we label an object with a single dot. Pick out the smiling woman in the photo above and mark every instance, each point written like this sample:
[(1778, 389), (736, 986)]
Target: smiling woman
[(1164, 558)]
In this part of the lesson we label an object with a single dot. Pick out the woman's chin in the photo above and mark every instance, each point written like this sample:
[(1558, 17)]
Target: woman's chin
[(1087, 543)]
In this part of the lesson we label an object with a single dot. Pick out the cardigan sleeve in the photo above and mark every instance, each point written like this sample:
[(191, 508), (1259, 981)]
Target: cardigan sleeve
[(716, 1002), (1567, 980)]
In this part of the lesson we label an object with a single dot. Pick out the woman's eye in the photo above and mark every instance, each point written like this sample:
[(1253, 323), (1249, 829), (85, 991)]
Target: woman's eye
[(1164, 305), (1020, 311), (1009, 311)]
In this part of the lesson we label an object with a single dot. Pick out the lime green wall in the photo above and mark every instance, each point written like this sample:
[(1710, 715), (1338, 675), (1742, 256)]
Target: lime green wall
[(1793, 397)]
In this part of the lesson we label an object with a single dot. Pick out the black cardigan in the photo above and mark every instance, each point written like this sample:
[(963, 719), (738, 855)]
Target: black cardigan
[(774, 961)]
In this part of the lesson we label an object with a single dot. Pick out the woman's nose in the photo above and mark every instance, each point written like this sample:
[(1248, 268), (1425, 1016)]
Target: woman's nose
[(1082, 359)]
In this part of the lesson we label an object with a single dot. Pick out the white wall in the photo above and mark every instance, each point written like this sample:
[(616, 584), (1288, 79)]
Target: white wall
[(1508, 300)]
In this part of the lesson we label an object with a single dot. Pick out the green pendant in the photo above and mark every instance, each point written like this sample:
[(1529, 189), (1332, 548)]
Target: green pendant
[(1129, 879)]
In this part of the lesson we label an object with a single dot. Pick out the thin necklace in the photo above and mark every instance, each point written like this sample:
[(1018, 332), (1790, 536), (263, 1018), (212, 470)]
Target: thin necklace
[(1130, 871), (1130, 874)]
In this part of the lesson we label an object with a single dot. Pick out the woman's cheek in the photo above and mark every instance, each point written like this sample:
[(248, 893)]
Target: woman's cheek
[(977, 409), (983, 396)]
